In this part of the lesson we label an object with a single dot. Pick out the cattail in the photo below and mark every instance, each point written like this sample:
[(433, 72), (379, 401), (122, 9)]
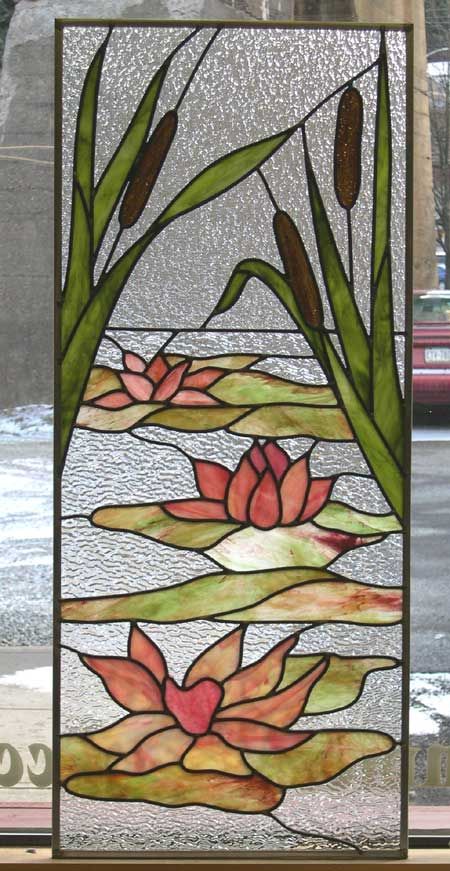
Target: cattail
[(347, 148), (146, 170), (298, 269)]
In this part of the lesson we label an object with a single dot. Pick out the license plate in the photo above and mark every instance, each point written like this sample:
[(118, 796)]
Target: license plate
[(437, 355)]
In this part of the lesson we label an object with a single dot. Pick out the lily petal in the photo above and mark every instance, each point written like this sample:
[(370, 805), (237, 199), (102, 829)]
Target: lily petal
[(142, 649), (160, 749), (218, 661), (171, 382), (133, 362), (128, 683), (258, 458), (318, 494), (197, 509), (212, 479), (126, 733), (138, 386), (279, 709), (203, 379), (157, 368), (210, 753), (117, 399), (248, 735), (278, 459), (259, 678), (242, 485), (293, 490), (265, 508), (192, 397), (195, 707)]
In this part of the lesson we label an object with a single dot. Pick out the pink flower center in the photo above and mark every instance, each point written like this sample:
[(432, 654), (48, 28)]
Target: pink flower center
[(195, 707)]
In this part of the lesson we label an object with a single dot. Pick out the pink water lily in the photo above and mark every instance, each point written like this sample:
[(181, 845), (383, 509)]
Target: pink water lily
[(159, 381), (219, 712), (267, 489)]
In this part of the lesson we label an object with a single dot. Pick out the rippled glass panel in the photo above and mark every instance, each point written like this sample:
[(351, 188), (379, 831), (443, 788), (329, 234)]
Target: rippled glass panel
[(233, 444)]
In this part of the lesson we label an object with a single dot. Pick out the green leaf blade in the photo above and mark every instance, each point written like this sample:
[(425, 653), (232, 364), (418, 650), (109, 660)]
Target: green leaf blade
[(350, 328), (115, 176), (321, 758), (222, 175), (78, 284)]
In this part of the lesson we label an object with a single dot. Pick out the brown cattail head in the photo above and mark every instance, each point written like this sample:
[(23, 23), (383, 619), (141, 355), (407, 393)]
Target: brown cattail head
[(347, 148), (298, 269), (146, 170)]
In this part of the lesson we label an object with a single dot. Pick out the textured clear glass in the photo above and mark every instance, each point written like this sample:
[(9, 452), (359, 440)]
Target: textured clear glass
[(218, 481)]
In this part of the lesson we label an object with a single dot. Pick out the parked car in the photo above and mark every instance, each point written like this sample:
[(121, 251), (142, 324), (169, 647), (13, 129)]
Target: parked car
[(431, 347)]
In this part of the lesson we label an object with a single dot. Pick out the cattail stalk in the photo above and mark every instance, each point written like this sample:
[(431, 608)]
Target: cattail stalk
[(347, 148), (298, 269), (146, 170)]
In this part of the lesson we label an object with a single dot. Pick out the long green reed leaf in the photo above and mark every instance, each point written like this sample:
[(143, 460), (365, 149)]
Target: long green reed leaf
[(222, 175), (350, 328), (387, 399), (114, 178), (78, 284)]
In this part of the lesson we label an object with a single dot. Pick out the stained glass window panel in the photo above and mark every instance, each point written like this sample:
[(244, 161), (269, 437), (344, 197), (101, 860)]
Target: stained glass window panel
[(232, 482)]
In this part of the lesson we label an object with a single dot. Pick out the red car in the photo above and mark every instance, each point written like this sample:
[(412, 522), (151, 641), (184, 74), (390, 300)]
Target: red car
[(431, 347)]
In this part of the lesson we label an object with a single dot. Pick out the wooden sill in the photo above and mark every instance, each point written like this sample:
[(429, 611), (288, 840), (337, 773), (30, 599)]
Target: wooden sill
[(418, 858)]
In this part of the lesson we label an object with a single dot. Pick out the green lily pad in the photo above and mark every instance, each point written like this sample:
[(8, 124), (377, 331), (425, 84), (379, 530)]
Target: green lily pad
[(101, 380), (303, 545), (336, 515), (78, 754), (117, 420), (261, 388), (200, 419), (174, 786), (306, 595), (319, 601), (295, 420), (224, 361), (342, 682), (152, 522), (321, 758)]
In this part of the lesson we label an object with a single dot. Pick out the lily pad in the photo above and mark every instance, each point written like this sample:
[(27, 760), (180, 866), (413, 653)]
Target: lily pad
[(200, 419), (116, 420), (101, 380), (261, 388), (321, 758), (341, 601), (152, 522), (336, 515), (281, 421), (309, 594), (284, 546), (78, 754), (173, 786), (342, 682)]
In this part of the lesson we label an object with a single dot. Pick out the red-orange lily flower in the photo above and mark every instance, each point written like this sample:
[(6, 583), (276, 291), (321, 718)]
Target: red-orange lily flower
[(220, 712), (266, 490), (158, 381)]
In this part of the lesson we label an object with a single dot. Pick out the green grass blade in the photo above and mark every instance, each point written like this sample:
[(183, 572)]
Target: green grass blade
[(222, 175), (350, 328), (113, 180), (387, 399), (276, 282), (376, 451), (383, 167), (78, 284)]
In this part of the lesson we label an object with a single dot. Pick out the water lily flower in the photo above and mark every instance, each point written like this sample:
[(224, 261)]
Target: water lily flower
[(266, 490), (159, 381), (220, 712)]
